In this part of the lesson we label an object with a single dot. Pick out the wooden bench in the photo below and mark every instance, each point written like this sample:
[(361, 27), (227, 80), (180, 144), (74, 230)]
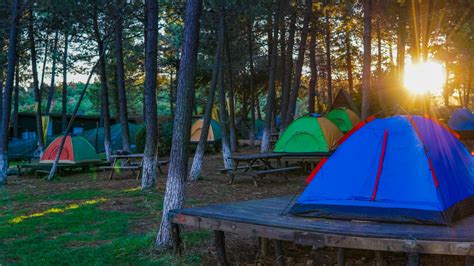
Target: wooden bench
[(262, 173), (242, 167)]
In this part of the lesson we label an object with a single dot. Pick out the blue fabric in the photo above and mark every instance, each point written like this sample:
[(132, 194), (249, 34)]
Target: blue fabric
[(461, 119), (406, 182)]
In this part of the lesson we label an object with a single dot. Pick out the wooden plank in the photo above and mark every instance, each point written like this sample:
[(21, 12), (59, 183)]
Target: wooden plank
[(277, 170), (261, 218)]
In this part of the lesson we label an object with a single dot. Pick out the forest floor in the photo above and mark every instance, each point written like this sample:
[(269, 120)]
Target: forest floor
[(87, 219)]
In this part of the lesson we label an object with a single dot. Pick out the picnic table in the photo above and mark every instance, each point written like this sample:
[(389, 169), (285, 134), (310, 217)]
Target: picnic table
[(257, 165), (132, 162)]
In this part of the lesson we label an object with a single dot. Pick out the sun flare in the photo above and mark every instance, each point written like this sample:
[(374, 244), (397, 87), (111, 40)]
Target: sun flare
[(423, 78)]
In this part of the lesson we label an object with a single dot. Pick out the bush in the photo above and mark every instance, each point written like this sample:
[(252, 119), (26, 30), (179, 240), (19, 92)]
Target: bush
[(165, 129)]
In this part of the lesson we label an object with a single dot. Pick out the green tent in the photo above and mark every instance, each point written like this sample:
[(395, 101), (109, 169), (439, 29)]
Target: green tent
[(76, 149), (309, 134), (214, 134), (96, 136), (345, 119)]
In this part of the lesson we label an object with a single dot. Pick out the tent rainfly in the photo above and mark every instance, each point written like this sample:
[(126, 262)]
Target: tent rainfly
[(461, 120), (214, 134), (309, 134), (76, 150), (398, 169)]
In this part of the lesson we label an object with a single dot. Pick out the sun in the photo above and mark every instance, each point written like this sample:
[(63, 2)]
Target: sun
[(425, 78)]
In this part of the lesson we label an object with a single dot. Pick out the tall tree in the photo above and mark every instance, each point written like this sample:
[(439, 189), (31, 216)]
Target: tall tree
[(226, 150), (299, 63), (401, 37), (328, 55), (232, 133), (122, 96), (64, 92), (286, 83), (312, 88), (5, 126), (196, 167), (39, 124), (151, 70), (251, 87), (53, 73), (175, 184), (273, 42), (347, 41), (105, 110), (367, 9), (16, 94)]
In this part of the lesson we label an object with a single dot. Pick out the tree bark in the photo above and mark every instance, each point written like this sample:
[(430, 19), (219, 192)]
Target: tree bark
[(415, 31), (45, 60), (232, 133), (122, 95), (251, 87), (367, 5), (426, 34), (226, 150), (53, 73), (402, 34), (2, 44), (328, 60), (314, 72), (15, 98), (265, 146), (299, 63), (151, 70), (175, 184), (286, 83), (350, 75), (196, 167), (64, 92), (8, 92), (39, 124)]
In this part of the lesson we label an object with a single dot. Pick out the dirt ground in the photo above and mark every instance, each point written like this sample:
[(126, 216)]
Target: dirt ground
[(213, 188)]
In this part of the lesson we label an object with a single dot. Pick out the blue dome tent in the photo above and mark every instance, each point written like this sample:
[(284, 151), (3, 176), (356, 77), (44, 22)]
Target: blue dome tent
[(462, 119), (397, 169)]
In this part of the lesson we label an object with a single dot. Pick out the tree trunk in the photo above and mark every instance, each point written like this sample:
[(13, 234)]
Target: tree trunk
[(45, 60), (367, 5), (350, 75), (39, 124), (151, 70), (232, 133), (53, 73), (8, 92), (286, 83), (15, 99), (299, 63), (122, 95), (415, 32), (175, 184), (429, 7), (2, 44), (314, 72), (379, 50), (105, 112), (328, 60), (64, 93), (226, 150), (252, 92), (196, 167), (402, 34), (265, 146)]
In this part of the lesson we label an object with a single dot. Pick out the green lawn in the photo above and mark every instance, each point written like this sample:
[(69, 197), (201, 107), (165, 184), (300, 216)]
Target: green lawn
[(71, 228)]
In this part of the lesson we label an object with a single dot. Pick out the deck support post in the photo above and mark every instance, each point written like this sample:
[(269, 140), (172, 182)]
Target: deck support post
[(341, 260), (264, 246), (176, 239), (219, 239), (469, 261), (280, 256), (379, 261), (413, 259)]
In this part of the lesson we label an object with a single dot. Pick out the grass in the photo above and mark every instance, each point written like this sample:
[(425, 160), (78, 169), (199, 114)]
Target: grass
[(92, 234)]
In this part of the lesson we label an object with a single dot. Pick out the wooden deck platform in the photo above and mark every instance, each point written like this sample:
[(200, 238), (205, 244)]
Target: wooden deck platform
[(262, 218)]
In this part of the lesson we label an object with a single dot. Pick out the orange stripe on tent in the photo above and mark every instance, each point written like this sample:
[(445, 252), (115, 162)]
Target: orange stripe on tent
[(316, 170), (357, 127)]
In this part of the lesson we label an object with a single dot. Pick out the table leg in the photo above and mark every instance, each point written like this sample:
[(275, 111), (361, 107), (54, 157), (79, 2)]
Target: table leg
[(341, 260), (280, 257), (413, 259), (176, 239), (232, 175), (112, 170)]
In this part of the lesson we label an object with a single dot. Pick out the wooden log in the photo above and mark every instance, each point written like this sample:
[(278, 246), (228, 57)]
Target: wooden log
[(341, 260), (413, 259), (280, 257), (219, 239), (176, 239)]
